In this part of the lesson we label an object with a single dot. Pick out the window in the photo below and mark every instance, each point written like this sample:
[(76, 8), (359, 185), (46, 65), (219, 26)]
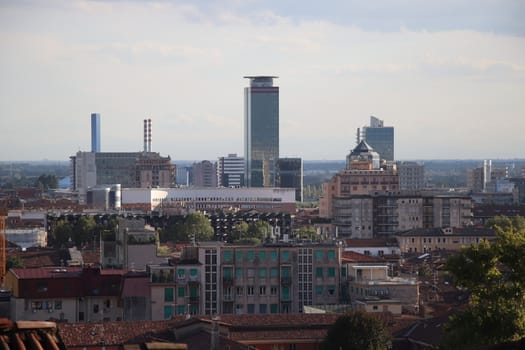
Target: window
[(180, 273), (58, 305), (274, 308), (194, 292), (331, 254), (168, 312), (262, 308), (262, 255), (319, 254), (367, 252), (227, 255), (319, 272), (239, 291), (262, 290), (262, 272), (319, 290), (273, 255), (331, 272), (273, 290), (251, 273), (251, 308), (380, 253), (181, 309), (238, 255), (249, 290), (168, 294), (227, 273), (95, 308), (193, 272), (343, 271), (331, 290), (238, 273), (285, 254), (250, 255), (274, 272), (180, 293)]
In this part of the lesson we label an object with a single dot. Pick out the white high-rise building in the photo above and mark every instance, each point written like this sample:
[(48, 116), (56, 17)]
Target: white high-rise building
[(230, 171)]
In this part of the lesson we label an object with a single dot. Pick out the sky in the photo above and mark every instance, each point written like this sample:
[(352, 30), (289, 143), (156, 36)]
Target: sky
[(449, 75)]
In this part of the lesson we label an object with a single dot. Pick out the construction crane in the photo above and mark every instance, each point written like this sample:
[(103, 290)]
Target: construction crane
[(3, 251)]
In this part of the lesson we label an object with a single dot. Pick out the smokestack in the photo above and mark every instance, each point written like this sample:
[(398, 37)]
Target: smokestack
[(95, 132), (149, 135), (145, 135)]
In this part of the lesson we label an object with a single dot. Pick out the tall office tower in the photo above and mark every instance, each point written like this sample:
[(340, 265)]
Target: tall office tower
[(95, 132), (288, 173), (261, 129), (230, 171), (380, 137)]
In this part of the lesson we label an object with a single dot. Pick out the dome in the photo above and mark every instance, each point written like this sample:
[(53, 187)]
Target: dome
[(363, 153)]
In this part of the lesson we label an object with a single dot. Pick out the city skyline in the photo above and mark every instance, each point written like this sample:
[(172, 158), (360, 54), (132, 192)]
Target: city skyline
[(448, 77)]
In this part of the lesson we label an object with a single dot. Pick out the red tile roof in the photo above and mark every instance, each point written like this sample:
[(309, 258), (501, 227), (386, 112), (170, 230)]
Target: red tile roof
[(47, 272), (372, 242), (354, 257), (29, 335)]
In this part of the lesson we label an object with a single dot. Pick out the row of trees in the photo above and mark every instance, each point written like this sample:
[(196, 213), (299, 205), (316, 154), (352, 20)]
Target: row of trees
[(82, 231)]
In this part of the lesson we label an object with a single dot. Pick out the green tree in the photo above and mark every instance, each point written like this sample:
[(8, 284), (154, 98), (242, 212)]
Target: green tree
[(61, 234), (14, 261), (494, 273), (84, 230), (357, 330), (47, 181), (183, 229), (308, 233), (258, 229), (505, 223)]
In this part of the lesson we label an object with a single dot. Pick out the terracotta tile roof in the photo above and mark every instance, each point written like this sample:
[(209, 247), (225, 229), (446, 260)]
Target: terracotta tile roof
[(90, 256), (47, 272), (40, 257), (29, 335), (372, 242), (271, 320), (354, 257), (79, 335)]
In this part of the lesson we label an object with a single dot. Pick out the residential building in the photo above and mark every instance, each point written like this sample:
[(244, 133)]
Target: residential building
[(378, 247), (425, 240), (346, 198), (204, 174), (68, 294), (380, 137), (288, 173), (372, 288), (230, 171), (411, 175), (261, 129), (132, 246), (95, 132)]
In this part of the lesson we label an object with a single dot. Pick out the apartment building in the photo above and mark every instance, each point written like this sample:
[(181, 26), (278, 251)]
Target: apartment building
[(425, 240)]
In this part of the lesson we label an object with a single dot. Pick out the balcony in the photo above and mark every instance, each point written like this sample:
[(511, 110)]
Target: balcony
[(228, 298)]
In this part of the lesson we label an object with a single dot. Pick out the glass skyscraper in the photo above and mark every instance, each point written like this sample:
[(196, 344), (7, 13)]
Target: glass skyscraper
[(379, 137), (261, 129), (95, 132)]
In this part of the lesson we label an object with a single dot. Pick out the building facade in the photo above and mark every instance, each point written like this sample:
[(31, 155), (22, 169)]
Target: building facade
[(230, 171), (173, 199), (204, 174), (380, 137), (261, 129), (411, 175), (288, 173)]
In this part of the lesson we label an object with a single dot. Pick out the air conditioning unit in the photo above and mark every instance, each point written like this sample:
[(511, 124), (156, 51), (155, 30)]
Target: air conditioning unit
[(50, 310)]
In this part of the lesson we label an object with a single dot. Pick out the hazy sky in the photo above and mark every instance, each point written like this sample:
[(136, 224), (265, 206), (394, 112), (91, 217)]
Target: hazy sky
[(449, 75)]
